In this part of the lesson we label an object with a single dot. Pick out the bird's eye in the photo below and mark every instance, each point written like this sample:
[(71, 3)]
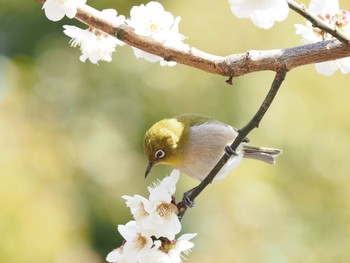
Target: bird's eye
[(159, 154)]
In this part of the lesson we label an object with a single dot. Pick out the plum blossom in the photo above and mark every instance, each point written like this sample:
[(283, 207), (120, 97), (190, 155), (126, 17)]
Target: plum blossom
[(329, 12), (263, 13), (55, 10), (150, 238), (94, 44), (157, 216), (138, 247), (153, 21), (176, 248), (116, 255)]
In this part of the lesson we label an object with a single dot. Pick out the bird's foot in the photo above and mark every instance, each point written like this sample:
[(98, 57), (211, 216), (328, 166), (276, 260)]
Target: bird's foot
[(186, 200), (229, 151)]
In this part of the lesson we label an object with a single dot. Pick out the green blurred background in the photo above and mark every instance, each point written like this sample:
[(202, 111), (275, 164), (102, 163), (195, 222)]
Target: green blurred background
[(71, 143)]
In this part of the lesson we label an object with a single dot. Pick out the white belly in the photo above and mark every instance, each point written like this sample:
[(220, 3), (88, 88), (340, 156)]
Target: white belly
[(205, 148)]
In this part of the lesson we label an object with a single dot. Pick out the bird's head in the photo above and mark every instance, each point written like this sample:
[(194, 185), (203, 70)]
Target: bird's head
[(163, 143)]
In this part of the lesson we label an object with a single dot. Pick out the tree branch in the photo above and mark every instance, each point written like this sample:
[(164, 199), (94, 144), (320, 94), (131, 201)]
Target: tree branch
[(318, 22), (253, 123), (232, 65)]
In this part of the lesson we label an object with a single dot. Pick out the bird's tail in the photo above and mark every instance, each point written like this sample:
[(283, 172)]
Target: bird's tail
[(259, 153)]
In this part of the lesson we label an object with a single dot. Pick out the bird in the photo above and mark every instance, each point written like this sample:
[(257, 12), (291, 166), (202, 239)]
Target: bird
[(194, 144)]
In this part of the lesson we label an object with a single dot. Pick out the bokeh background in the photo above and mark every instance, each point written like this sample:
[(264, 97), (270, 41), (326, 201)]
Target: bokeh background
[(71, 143)]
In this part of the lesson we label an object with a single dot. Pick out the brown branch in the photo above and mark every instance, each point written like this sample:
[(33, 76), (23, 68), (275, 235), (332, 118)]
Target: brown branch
[(230, 66), (285, 59)]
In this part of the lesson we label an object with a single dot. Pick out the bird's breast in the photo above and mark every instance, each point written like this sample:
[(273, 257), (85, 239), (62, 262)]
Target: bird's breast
[(205, 147)]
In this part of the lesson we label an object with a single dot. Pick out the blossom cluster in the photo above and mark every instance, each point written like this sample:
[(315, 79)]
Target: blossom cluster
[(338, 19), (150, 237), (147, 20), (95, 45)]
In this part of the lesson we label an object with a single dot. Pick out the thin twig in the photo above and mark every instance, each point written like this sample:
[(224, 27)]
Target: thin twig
[(253, 123), (318, 22)]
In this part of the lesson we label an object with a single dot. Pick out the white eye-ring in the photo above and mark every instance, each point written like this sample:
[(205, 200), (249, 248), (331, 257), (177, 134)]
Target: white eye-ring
[(159, 154)]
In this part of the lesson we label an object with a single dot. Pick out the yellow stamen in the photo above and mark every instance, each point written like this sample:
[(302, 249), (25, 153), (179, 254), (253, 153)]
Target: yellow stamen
[(141, 242), (153, 27), (165, 210)]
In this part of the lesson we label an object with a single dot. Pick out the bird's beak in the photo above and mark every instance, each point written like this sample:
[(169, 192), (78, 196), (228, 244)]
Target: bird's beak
[(149, 167)]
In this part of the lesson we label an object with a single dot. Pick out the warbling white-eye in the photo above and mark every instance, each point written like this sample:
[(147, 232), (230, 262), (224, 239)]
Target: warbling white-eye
[(195, 143)]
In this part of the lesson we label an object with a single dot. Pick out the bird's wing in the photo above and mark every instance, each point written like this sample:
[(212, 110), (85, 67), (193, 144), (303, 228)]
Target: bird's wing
[(196, 119)]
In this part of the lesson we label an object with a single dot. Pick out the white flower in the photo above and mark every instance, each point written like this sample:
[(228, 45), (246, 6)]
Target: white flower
[(112, 16), (339, 19), (56, 9), (157, 216), (95, 45), (116, 256), (138, 247), (323, 7), (329, 67), (164, 189), (263, 13), (153, 21), (307, 32), (174, 249), (182, 245), (134, 238), (137, 204), (162, 217), (150, 20)]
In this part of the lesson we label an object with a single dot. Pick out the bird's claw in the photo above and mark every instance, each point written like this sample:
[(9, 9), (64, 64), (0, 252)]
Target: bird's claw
[(229, 151), (186, 200)]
